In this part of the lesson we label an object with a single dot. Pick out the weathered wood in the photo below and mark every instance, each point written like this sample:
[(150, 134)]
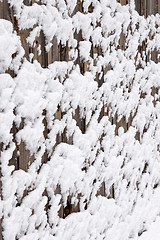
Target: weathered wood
[(15, 158), (45, 133), (61, 210), (138, 6), (54, 54), (158, 6), (4, 10), (78, 37), (123, 2), (143, 8), (25, 158)]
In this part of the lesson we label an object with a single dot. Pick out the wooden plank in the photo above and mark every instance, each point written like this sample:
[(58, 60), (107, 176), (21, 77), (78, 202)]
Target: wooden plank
[(158, 7), (1, 9), (70, 208), (155, 6), (122, 123), (138, 6), (123, 2), (25, 159), (101, 191), (61, 210), (45, 133), (80, 122), (78, 37), (122, 41), (96, 50), (27, 2), (54, 54), (153, 10), (149, 7), (143, 8), (15, 159), (43, 58), (5, 10)]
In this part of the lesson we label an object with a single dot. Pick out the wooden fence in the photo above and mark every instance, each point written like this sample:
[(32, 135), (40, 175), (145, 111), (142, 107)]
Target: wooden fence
[(60, 53)]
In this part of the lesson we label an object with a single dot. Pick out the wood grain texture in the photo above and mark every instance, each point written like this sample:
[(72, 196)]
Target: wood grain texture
[(138, 6), (4, 10)]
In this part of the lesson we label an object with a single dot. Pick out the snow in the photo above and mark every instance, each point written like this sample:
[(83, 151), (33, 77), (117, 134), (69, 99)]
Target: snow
[(10, 44), (106, 87), (152, 232)]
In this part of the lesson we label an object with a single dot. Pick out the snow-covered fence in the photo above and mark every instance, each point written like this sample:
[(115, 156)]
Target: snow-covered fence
[(79, 118)]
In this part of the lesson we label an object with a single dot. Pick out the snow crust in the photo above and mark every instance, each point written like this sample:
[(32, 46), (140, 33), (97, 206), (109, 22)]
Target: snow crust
[(127, 161)]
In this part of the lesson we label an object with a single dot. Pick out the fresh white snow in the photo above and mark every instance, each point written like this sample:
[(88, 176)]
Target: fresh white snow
[(130, 91)]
